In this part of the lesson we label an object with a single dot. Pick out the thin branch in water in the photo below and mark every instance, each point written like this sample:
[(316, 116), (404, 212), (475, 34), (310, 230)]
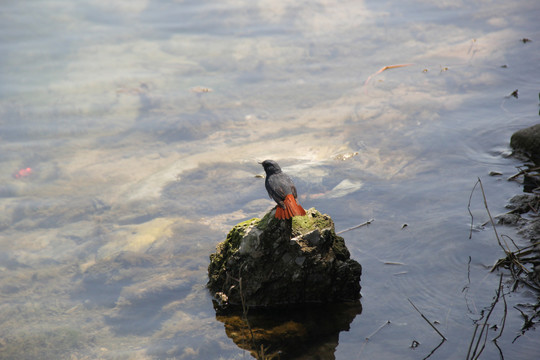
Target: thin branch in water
[(469, 208), (393, 263), (528, 322), (469, 270), (484, 328), (357, 226), (483, 345), (425, 318), (523, 172), (512, 240), (466, 288), (507, 250), (368, 338), (379, 329), (502, 327), (435, 349), (472, 340), (384, 68)]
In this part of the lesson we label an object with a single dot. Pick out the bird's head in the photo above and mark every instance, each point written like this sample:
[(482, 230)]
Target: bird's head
[(270, 167)]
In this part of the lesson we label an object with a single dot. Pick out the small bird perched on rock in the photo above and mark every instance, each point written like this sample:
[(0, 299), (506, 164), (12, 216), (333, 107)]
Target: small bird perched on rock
[(281, 188)]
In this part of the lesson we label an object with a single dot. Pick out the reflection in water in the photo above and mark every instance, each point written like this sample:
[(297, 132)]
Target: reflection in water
[(308, 331)]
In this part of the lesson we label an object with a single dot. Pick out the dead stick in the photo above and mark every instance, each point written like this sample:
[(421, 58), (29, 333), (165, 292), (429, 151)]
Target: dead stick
[(507, 249), (486, 322), (470, 212), (425, 318), (503, 320), (357, 226), (384, 68), (523, 172), (472, 341), (379, 329), (434, 349), (371, 335)]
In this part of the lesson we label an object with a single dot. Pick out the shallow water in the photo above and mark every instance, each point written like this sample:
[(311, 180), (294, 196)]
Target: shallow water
[(142, 123)]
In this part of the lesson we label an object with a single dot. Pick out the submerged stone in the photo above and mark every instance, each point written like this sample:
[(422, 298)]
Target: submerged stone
[(266, 262)]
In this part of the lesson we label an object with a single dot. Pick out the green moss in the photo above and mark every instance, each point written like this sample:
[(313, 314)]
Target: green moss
[(226, 248), (232, 241), (263, 223), (313, 219)]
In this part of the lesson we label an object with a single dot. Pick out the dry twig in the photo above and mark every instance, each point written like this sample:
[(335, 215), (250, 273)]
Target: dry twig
[(384, 68), (356, 226), (482, 337), (429, 322), (368, 338)]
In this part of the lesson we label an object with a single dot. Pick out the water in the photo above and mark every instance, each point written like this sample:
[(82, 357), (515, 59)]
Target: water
[(142, 123)]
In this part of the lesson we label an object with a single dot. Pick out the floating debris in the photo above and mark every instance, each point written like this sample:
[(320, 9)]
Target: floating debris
[(23, 173), (384, 68), (343, 157), (200, 89), (513, 93)]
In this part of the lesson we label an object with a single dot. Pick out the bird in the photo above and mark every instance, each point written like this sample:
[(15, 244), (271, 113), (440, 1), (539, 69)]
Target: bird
[(281, 188)]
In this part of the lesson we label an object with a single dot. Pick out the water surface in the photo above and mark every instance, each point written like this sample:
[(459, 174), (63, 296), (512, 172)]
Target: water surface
[(142, 123)]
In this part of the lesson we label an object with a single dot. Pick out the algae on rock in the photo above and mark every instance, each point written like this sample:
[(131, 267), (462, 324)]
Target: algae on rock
[(267, 261)]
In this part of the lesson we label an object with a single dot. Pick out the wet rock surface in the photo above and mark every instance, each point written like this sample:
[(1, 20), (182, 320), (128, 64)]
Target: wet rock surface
[(523, 213), (526, 142), (521, 207), (267, 262)]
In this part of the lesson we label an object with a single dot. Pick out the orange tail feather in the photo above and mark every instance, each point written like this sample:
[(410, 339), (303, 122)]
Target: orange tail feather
[(292, 208)]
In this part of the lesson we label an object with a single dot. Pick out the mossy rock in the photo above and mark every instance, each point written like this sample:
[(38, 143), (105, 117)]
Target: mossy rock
[(267, 261)]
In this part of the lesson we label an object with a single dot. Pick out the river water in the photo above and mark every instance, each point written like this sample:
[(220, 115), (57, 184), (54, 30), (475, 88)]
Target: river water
[(130, 135)]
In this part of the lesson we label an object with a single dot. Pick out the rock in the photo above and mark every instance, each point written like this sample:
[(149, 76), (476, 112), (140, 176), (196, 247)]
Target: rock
[(527, 142), (265, 262), (523, 203), (509, 219)]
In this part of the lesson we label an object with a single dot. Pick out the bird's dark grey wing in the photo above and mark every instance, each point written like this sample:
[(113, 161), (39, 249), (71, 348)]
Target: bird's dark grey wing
[(274, 190), (279, 186)]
